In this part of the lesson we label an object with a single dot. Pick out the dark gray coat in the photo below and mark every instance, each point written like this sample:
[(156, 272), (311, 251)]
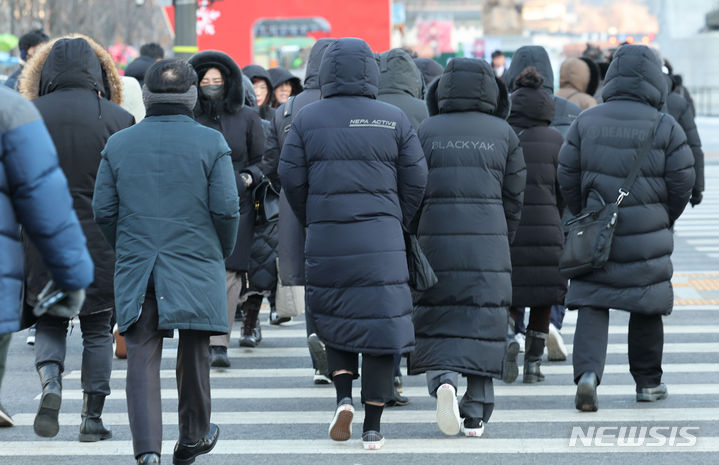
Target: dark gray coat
[(565, 112), (470, 212), (598, 154), (166, 200), (354, 172), (401, 84)]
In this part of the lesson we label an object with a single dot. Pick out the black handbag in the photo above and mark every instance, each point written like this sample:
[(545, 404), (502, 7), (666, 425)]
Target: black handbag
[(266, 202), (590, 233), (421, 274)]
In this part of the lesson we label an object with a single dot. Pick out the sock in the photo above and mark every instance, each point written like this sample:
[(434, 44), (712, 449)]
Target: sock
[(343, 386), (372, 416)]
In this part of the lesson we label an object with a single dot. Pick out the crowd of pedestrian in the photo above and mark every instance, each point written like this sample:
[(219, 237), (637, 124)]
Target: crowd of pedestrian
[(140, 204)]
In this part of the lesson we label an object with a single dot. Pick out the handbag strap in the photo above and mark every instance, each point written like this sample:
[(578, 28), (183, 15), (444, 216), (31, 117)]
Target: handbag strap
[(643, 151)]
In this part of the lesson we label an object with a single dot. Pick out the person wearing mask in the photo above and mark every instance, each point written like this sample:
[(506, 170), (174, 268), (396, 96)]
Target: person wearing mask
[(536, 281), (469, 216), (284, 85), (578, 81), (166, 200), (34, 194), (598, 155), (220, 106), (74, 84), (291, 247), (27, 45), (355, 183), (262, 85), (499, 63), (149, 54)]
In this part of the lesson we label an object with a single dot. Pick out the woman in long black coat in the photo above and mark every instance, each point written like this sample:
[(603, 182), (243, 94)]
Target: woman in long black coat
[(470, 213), (601, 147), (221, 106), (536, 282)]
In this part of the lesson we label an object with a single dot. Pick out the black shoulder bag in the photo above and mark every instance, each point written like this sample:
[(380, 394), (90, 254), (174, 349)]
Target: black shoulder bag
[(591, 232), (266, 201)]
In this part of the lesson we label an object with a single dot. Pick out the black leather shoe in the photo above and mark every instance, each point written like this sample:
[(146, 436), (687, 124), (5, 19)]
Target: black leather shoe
[(652, 394), (586, 398), (218, 357), (186, 453), (146, 459)]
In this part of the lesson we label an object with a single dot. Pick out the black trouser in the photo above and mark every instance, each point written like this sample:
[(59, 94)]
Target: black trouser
[(377, 372), (144, 403), (538, 317), (51, 346), (645, 345)]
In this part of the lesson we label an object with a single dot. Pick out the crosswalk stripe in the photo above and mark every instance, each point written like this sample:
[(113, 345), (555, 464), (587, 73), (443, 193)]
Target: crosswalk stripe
[(549, 369), (400, 416), (292, 352), (320, 392), (327, 447)]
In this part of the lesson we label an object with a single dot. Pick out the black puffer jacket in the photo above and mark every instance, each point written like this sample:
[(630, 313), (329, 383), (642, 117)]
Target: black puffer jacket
[(63, 80), (354, 172), (600, 149), (470, 212), (401, 84), (565, 112), (139, 67), (680, 109), (291, 248), (536, 248), (243, 132)]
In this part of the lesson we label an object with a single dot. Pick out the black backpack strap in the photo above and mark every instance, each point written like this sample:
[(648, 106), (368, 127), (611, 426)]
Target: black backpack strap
[(642, 153)]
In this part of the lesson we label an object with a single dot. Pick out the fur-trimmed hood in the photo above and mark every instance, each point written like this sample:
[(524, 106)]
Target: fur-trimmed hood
[(468, 84), (234, 97), (71, 61)]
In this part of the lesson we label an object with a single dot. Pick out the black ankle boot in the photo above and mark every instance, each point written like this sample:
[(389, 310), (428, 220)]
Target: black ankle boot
[(46, 422), (533, 357), (91, 428), (250, 335)]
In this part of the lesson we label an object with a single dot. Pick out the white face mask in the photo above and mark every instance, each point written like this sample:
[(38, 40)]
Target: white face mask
[(499, 71)]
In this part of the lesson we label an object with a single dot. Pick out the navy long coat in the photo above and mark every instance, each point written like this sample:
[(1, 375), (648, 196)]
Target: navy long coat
[(354, 172)]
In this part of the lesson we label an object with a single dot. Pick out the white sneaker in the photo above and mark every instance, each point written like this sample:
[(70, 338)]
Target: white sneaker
[(556, 350), (519, 337), (320, 378), (30, 336), (448, 418)]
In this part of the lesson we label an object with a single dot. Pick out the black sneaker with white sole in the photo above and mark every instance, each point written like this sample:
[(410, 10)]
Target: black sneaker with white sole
[(5, 418), (341, 426), (319, 353), (473, 427), (448, 418), (372, 440)]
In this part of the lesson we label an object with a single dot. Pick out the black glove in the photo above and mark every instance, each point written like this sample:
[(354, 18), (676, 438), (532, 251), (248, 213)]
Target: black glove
[(696, 198)]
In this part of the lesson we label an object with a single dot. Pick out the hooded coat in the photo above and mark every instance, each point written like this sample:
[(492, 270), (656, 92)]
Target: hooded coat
[(281, 75), (429, 68), (354, 173), (578, 80), (565, 112), (242, 129), (258, 72), (681, 110), (538, 244), (599, 152), (34, 193), (291, 248), (470, 213), (401, 84), (63, 79)]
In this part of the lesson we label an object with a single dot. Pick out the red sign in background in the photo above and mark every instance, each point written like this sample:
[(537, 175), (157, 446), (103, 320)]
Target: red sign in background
[(227, 24)]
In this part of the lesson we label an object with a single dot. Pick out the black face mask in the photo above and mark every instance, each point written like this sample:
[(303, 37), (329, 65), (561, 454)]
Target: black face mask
[(213, 92)]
